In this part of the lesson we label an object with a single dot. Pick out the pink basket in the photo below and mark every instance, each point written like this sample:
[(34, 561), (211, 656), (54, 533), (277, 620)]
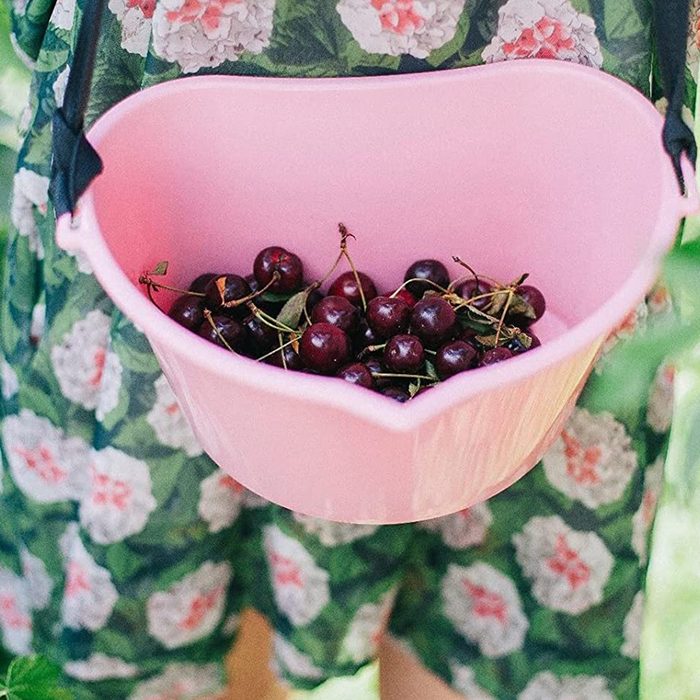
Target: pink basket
[(530, 166)]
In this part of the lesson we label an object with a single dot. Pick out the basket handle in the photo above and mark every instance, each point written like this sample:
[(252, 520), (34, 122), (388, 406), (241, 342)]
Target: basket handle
[(75, 163), (671, 23)]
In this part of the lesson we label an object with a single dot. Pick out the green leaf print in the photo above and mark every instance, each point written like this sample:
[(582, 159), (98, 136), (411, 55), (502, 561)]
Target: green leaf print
[(32, 678), (622, 20)]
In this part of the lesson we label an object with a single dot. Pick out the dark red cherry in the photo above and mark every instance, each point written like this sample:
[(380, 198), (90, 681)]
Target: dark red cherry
[(494, 355), (404, 294), (288, 265), (470, 288), (517, 348), (453, 358), (431, 271), (388, 316), (405, 354), (225, 289), (187, 311), (536, 299), (200, 283), (432, 320), (261, 337), (314, 296), (364, 336), (357, 373), (397, 393), (337, 311), (346, 286), (324, 348), (291, 358), (375, 367), (228, 328)]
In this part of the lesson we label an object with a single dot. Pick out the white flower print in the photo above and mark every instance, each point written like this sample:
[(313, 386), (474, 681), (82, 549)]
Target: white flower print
[(111, 383), (38, 323), (30, 194), (79, 360), (63, 14), (484, 606), (632, 627), (39, 583), (544, 29), (100, 667), (466, 528), (205, 33), (221, 499), (89, 595), (463, 681), (546, 686), (135, 18), (592, 460), (288, 658), (364, 633), (169, 422), (643, 518), (15, 617), (19, 7), (661, 395), (59, 86), (10, 384), (300, 586), (396, 27), (569, 569), (117, 499), (45, 465), (331, 533), (191, 608), (181, 682)]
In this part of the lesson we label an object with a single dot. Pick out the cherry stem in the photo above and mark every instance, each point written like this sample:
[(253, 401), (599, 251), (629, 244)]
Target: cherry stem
[(389, 375), (146, 279), (149, 291), (344, 235), (461, 262), (422, 280), (269, 320), (207, 315), (281, 347), (503, 315), (370, 348), (244, 300)]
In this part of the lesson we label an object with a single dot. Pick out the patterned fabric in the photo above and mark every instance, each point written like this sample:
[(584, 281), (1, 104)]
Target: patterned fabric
[(127, 556)]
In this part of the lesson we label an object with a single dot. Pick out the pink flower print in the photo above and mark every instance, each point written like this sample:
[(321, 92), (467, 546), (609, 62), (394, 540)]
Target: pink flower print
[(15, 618), (567, 563)]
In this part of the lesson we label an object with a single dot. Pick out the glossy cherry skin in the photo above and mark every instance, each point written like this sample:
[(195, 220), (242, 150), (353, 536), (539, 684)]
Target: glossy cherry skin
[(404, 354), (200, 283), (388, 316), (286, 264), (404, 294), (261, 337), (228, 328), (433, 320), (324, 348), (357, 373), (535, 298), (431, 271), (470, 288), (225, 289), (337, 311), (188, 312), (346, 286), (397, 393), (291, 357), (494, 355), (374, 365), (454, 357)]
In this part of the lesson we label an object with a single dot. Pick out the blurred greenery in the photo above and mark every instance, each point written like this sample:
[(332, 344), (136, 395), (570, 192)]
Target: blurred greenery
[(671, 641)]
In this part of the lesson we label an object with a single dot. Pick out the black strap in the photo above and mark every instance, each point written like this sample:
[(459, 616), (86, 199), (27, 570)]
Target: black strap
[(75, 162), (671, 21)]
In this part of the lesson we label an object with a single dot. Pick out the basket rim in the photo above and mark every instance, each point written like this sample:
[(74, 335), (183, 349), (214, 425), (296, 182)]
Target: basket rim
[(587, 334)]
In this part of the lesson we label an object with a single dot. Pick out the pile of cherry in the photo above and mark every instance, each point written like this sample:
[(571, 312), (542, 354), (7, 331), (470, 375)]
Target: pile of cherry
[(398, 343)]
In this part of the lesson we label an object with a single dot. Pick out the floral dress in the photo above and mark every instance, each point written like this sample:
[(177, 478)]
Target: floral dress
[(127, 556)]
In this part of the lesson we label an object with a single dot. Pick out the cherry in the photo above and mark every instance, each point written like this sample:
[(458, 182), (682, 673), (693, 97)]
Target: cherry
[(314, 296), (291, 357), (262, 338), (535, 298), (357, 373), (365, 336), (288, 265), (252, 283), (517, 348), (200, 283), (388, 316), (324, 348), (375, 367), (494, 355), (430, 270), (337, 311), (535, 341), (187, 311), (470, 288), (397, 393), (453, 358), (230, 330), (404, 353), (432, 320), (225, 289), (404, 294), (346, 286)]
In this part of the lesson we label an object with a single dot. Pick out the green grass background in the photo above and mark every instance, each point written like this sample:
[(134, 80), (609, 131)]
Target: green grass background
[(671, 641)]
